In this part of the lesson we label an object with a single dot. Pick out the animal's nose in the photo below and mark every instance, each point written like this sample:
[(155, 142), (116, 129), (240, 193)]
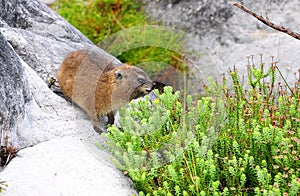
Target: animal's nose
[(150, 86)]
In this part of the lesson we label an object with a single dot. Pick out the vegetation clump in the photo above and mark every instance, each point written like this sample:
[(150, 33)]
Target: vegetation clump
[(243, 141), (98, 19)]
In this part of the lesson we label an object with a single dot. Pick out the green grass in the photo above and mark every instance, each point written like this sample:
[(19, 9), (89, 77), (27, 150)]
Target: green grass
[(98, 19)]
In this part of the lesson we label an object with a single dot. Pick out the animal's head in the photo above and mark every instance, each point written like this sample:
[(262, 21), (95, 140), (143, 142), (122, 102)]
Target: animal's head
[(133, 80), (128, 82)]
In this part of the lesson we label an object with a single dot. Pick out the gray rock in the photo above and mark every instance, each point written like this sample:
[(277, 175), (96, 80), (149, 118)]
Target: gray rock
[(14, 91), (222, 35), (191, 15), (55, 138), (63, 166), (29, 21)]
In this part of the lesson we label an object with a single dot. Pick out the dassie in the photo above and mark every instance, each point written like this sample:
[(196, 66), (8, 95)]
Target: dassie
[(99, 87)]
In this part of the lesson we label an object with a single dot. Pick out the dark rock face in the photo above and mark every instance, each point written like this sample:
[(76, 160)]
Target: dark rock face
[(14, 91)]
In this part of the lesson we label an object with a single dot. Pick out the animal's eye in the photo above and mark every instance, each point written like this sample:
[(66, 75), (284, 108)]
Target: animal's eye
[(118, 75), (141, 80)]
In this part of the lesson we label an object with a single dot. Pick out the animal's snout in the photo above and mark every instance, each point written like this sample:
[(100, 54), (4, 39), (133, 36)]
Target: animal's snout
[(147, 87), (150, 87)]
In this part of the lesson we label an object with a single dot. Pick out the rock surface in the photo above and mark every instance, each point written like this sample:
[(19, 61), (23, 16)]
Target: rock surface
[(223, 35), (14, 92), (58, 155), (63, 166)]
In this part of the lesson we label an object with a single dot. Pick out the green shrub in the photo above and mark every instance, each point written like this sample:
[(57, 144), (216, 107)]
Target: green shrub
[(243, 141)]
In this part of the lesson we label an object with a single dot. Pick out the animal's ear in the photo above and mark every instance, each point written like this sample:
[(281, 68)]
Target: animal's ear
[(108, 67), (119, 74)]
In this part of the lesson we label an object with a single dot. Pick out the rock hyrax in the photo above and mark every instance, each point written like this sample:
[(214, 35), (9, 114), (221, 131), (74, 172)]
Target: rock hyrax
[(99, 87)]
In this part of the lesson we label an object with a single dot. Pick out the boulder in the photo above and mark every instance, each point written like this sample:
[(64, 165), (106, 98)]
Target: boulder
[(39, 35), (56, 139), (222, 35), (14, 91)]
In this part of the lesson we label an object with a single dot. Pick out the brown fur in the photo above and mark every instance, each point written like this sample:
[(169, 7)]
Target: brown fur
[(98, 86)]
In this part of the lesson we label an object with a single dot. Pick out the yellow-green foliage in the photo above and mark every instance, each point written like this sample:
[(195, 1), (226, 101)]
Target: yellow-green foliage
[(239, 142)]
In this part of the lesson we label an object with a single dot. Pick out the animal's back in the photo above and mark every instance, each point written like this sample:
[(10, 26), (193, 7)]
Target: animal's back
[(79, 68)]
